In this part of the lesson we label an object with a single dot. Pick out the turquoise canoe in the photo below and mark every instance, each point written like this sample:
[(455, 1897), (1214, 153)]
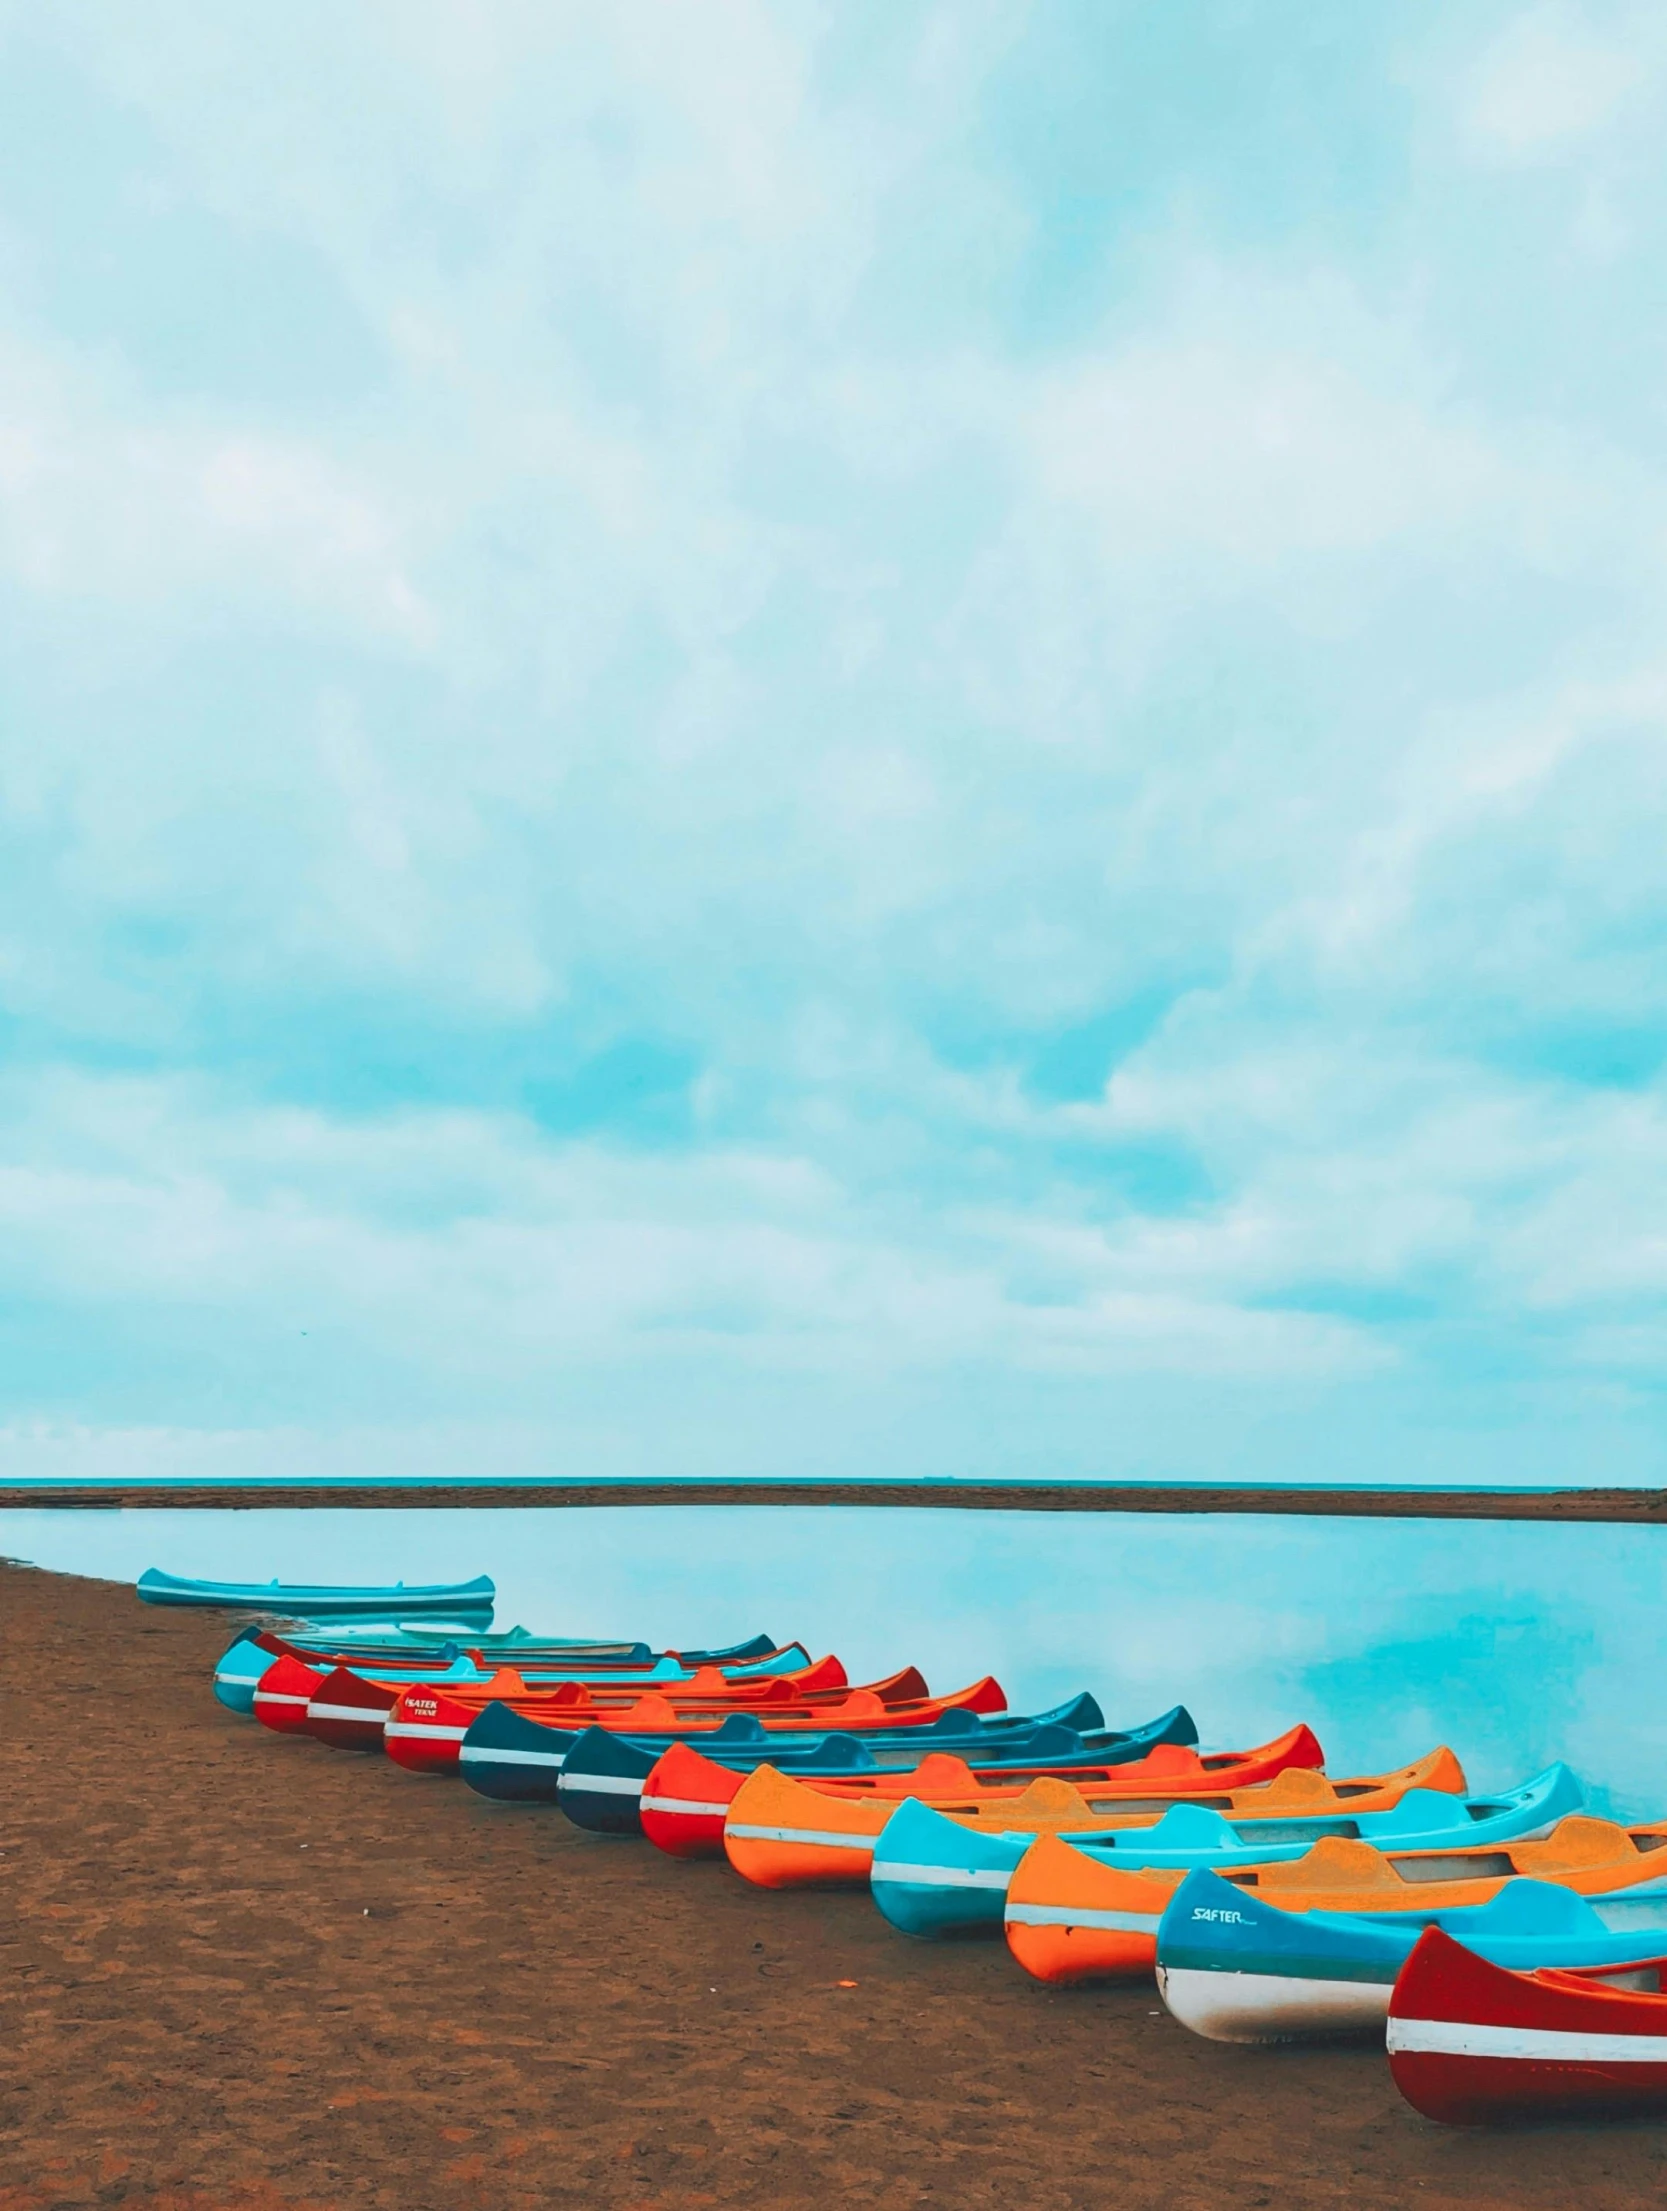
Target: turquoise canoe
[(933, 1875), (238, 1670), (315, 1601), (1235, 1968)]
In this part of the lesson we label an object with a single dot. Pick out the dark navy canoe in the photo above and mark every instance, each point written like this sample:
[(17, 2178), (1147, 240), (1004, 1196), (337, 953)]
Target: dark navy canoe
[(599, 1783), (516, 1760), (316, 1601)]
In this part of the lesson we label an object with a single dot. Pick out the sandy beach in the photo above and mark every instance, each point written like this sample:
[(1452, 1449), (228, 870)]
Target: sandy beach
[(248, 1974)]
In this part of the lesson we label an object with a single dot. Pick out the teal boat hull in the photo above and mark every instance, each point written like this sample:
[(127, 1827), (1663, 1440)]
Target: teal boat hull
[(460, 1601), (1237, 1968), (933, 1876)]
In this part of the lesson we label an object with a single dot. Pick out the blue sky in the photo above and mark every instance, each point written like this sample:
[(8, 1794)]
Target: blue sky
[(883, 738)]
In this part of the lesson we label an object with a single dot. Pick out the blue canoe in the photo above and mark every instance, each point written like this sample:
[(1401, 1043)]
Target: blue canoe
[(1236, 1968), (375, 1640), (935, 1875), (599, 1784), (239, 1668), (313, 1601)]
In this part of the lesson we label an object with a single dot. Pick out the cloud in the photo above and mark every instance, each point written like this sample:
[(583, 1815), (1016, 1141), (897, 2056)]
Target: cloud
[(569, 839), (1550, 79)]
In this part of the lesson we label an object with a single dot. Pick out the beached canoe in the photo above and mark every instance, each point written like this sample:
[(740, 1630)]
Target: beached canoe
[(351, 1639), (514, 1759), (1072, 1916), (1472, 2044), (783, 1832), (425, 1729), (940, 1869), (1236, 1967), (245, 1660), (687, 1795), (351, 1708), (318, 1601)]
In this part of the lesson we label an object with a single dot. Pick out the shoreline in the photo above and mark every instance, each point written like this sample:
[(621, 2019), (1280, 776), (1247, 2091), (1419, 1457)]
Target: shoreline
[(1635, 1507)]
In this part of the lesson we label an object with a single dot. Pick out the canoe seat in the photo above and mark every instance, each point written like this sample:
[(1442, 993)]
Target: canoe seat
[(741, 1727), (1297, 1785), (1421, 1812), (1578, 1840), (1334, 1863), (941, 1773), (1173, 1759), (1524, 1907), (649, 1716), (1048, 1793), (1187, 1827), (835, 1754)]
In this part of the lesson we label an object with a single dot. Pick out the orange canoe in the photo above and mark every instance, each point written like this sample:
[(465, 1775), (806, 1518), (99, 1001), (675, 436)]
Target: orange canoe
[(785, 1832), (425, 1725), (1072, 1917), (687, 1795)]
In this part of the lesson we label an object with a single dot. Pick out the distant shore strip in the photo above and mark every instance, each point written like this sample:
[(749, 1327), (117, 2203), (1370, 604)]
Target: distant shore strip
[(1644, 1507)]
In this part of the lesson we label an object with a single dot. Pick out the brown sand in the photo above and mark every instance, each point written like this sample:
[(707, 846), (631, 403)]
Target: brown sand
[(247, 1974), (1646, 1507)]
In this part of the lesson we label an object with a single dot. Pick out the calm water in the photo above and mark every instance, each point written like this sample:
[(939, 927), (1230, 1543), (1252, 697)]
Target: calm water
[(1517, 1643)]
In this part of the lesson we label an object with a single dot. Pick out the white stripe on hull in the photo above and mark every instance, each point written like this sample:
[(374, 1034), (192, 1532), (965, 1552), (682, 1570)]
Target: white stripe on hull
[(684, 1804), (1059, 1915), (368, 1715), (861, 1843), (1550, 2046), (946, 1877), (557, 1758), (271, 1696), (603, 1784), (423, 1731), (1270, 2007)]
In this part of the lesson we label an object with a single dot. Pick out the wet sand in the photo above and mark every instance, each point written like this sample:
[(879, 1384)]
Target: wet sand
[(246, 1974)]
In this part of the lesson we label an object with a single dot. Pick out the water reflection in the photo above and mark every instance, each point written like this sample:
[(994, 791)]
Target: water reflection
[(1516, 1642)]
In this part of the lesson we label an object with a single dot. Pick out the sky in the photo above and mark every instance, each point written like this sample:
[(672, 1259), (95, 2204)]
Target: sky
[(877, 738)]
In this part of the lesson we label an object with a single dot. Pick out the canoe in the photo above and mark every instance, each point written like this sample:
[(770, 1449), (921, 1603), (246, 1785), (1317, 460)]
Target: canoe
[(352, 1638), (1236, 1967), (783, 1832), (316, 1601), (1071, 1916), (511, 1758), (241, 1665), (425, 1729), (1472, 2044), (350, 1709), (939, 1871), (687, 1795)]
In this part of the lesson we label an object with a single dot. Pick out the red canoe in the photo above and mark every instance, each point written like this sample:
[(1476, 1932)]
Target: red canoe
[(284, 1692), (1472, 2044), (348, 1711)]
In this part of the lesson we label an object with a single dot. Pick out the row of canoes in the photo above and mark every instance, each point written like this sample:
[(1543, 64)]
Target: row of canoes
[(1508, 1947)]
